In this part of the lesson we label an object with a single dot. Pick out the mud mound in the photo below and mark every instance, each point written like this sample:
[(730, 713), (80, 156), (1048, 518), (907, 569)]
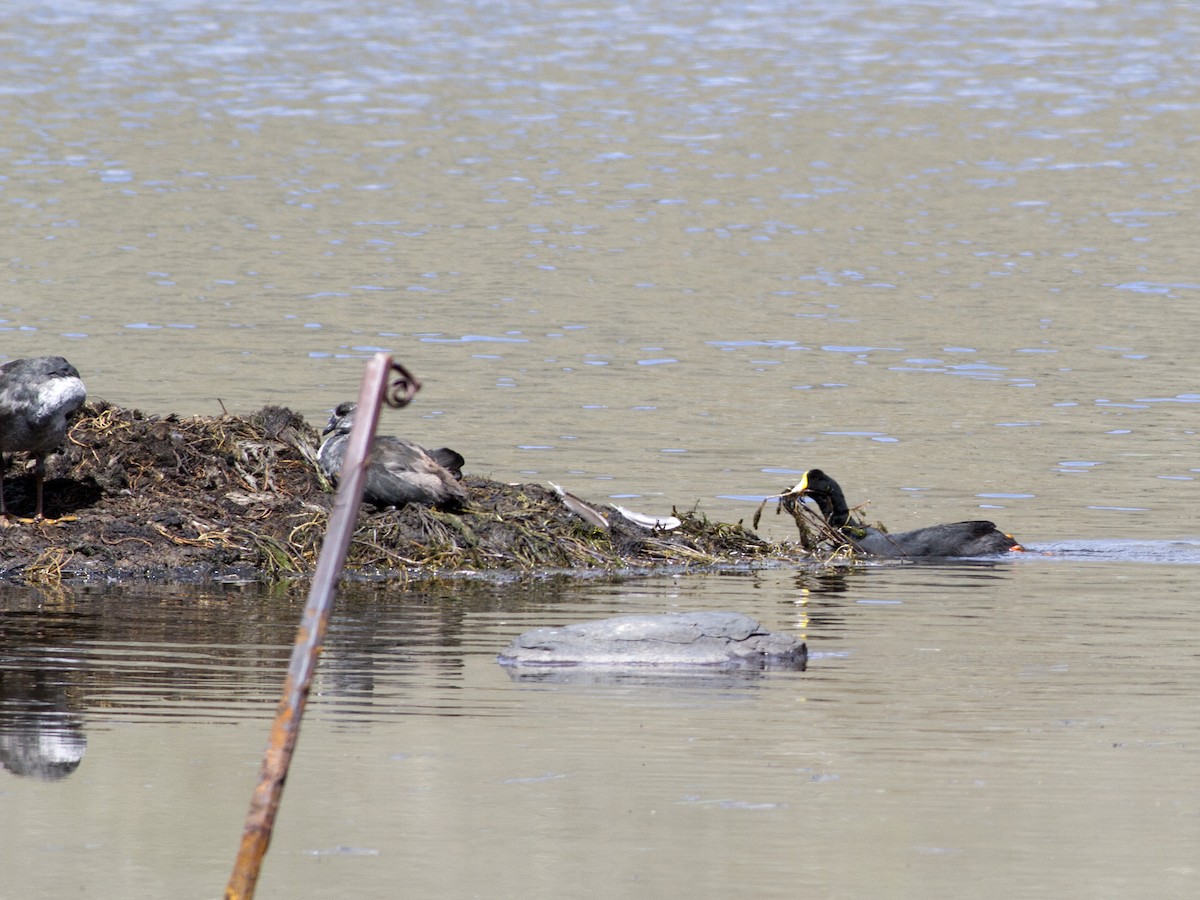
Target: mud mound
[(185, 499)]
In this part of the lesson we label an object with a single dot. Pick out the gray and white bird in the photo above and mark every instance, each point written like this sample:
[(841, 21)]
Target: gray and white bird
[(398, 471), (37, 398)]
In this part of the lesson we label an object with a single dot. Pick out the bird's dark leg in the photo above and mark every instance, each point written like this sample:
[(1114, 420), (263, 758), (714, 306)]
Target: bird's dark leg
[(7, 519), (39, 476)]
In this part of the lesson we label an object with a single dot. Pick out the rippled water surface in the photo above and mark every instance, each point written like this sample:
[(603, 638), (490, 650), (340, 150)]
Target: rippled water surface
[(660, 255), (1011, 728)]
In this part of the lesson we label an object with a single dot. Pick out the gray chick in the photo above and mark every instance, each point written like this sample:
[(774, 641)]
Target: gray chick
[(398, 471)]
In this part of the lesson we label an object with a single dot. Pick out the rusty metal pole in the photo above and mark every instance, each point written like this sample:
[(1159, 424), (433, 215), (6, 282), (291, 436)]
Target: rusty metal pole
[(260, 820)]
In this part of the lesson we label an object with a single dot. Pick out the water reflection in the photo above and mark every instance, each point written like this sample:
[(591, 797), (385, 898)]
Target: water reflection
[(98, 657), (75, 662), (935, 672), (42, 701), (219, 654)]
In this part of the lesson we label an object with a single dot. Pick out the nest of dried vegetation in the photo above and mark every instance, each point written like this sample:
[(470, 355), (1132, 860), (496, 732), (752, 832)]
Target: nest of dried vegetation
[(186, 499)]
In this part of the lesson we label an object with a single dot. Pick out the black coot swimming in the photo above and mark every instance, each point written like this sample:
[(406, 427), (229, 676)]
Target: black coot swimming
[(974, 538)]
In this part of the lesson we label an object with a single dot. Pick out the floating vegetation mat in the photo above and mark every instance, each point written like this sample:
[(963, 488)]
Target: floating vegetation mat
[(240, 497)]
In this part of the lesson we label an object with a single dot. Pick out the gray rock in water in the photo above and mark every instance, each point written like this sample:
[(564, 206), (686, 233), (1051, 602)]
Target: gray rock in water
[(713, 639)]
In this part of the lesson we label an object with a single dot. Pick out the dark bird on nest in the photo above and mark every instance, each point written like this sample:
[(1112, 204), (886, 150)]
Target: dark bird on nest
[(976, 538), (37, 397), (398, 471)]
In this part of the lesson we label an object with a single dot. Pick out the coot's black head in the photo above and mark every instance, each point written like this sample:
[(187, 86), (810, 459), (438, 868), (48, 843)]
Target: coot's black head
[(828, 495)]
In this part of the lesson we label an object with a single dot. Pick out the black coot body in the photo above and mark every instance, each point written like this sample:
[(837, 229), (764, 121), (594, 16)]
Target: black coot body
[(974, 538)]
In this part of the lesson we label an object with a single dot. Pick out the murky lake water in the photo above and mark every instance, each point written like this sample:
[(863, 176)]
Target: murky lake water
[(944, 251)]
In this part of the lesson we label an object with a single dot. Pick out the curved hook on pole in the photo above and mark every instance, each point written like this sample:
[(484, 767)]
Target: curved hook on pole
[(402, 387)]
